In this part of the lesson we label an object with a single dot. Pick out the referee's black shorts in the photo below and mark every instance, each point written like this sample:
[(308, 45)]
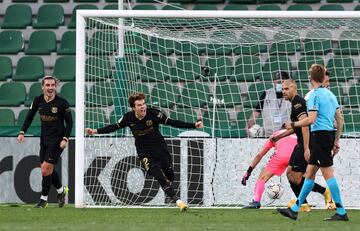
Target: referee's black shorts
[(321, 145), (297, 160)]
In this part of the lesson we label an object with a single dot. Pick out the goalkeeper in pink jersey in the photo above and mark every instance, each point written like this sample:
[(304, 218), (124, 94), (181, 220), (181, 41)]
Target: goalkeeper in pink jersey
[(277, 164)]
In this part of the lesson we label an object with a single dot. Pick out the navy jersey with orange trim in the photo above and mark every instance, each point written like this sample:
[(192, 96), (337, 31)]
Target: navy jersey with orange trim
[(52, 116), (298, 108), (148, 139)]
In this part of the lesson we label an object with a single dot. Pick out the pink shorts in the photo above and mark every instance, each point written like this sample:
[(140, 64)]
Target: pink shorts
[(277, 164)]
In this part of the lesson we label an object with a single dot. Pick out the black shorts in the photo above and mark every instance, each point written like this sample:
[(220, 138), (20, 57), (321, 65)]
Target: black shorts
[(321, 145), (160, 159), (297, 160), (50, 151)]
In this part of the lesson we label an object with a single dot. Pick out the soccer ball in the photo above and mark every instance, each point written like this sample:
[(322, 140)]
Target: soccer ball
[(275, 191), (256, 131)]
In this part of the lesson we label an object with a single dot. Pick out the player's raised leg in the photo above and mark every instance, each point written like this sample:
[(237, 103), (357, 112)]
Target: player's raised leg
[(154, 169)]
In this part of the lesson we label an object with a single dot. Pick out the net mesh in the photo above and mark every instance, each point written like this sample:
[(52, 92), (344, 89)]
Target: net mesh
[(215, 70)]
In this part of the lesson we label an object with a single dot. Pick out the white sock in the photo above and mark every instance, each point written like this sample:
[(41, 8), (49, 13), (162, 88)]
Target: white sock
[(43, 197), (60, 190)]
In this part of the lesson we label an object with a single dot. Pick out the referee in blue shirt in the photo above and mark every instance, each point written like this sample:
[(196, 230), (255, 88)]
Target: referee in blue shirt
[(324, 143)]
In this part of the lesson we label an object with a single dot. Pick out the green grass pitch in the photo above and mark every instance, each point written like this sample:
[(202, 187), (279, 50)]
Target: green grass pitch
[(25, 217)]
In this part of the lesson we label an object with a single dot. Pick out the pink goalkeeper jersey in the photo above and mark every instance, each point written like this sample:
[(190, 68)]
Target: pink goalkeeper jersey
[(284, 146), (283, 150)]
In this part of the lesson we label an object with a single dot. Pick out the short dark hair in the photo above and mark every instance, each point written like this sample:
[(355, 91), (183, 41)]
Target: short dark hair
[(317, 73), (47, 77), (135, 96), (282, 75)]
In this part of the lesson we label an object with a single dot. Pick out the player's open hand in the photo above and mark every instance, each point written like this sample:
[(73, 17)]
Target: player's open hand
[(199, 124), (21, 138), (90, 131)]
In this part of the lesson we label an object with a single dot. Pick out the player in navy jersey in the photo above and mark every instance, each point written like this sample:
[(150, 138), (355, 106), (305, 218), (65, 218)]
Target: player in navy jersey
[(298, 163), (150, 144), (54, 111), (324, 143)]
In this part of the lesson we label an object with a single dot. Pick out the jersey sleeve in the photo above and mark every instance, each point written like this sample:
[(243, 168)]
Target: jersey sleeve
[(160, 117), (68, 119), (163, 119), (30, 115), (313, 102), (300, 109), (268, 144), (122, 123)]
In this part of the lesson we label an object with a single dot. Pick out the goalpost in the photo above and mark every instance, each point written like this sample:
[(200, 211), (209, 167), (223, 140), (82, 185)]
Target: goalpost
[(209, 65)]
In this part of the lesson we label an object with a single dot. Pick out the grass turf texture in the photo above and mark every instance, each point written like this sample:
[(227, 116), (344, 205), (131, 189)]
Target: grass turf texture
[(25, 217)]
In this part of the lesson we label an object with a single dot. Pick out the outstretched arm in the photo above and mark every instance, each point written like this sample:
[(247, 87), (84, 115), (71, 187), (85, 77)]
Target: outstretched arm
[(163, 119), (181, 124), (305, 122), (282, 135), (259, 156), (107, 129), (256, 160), (104, 130)]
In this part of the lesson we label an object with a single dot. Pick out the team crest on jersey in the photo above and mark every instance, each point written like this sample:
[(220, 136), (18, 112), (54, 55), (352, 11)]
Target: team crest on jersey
[(54, 110), (149, 123)]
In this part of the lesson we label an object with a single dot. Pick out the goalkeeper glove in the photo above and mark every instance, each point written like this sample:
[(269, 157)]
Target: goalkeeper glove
[(246, 175)]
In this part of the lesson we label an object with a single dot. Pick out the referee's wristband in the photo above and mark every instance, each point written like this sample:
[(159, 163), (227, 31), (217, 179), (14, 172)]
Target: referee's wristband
[(66, 139), (21, 133)]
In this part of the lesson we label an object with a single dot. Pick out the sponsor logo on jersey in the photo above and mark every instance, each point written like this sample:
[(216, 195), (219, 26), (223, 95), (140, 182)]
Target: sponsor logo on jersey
[(298, 105)]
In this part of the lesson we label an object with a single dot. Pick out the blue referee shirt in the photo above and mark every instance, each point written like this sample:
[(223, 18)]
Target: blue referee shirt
[(324, 102)]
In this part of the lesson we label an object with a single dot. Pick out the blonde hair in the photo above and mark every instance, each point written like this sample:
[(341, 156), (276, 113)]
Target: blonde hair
[(317, 73)]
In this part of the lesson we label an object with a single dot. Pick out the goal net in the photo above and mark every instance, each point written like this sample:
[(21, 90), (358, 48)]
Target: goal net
[(213, 66)]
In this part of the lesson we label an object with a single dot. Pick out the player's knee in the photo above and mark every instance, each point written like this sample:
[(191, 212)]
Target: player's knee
[(289, 175), (46, 169), (309, 175)]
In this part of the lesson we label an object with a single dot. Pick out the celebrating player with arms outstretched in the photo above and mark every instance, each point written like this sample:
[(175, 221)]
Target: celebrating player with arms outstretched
[(150, 144)]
